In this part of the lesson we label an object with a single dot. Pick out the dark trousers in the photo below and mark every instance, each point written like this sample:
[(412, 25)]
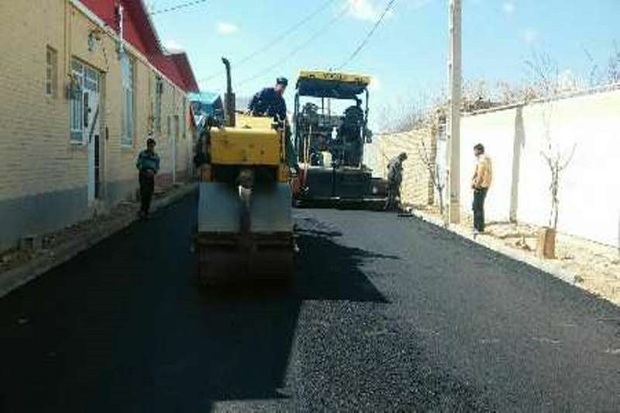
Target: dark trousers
[(478, 206), (147, 187), (291, 155), (393, 200)]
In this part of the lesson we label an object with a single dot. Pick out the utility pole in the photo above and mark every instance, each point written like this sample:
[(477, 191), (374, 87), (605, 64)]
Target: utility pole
[(454, 115)]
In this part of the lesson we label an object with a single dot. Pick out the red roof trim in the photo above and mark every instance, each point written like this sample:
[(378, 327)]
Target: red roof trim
[(140, 33)]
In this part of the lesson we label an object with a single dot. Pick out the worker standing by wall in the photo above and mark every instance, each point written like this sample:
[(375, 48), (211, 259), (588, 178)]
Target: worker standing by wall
[(148, 166), (480, 184), (395, 178)]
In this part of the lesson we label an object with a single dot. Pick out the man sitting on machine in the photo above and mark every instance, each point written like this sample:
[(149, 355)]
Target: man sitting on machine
[(270, 102), (318, 150), (351, 133)]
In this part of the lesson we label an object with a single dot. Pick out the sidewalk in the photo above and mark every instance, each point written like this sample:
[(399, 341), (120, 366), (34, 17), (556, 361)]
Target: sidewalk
[(585, 264), (18, 267)]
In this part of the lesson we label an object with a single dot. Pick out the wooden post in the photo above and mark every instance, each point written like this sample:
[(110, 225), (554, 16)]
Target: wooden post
[(454, 113), (545, 247)]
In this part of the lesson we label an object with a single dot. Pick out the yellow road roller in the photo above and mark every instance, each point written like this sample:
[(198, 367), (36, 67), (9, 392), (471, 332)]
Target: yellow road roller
[(245, 223)]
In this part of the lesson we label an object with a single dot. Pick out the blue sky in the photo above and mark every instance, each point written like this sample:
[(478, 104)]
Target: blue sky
[(408, 53)]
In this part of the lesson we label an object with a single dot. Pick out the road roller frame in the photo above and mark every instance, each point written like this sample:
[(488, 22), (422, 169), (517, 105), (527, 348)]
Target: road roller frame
[(245, 224)]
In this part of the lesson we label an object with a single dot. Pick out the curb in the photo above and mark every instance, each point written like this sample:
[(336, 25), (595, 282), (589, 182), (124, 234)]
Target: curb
[(516, 255), (39, 265)]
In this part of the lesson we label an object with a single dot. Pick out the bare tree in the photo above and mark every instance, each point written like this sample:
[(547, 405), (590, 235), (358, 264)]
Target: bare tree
[(594, 75), (407, 115), (557, 160), (437, 178), (413, 119), (544, 75), (606, 73), (476, 95), (613, 67), (546, 81)]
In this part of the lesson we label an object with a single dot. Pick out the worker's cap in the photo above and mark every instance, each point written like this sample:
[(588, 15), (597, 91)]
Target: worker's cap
[(282, 81)]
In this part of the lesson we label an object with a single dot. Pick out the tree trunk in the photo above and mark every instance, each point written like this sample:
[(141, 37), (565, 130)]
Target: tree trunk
[(441, 201), (545, 247)]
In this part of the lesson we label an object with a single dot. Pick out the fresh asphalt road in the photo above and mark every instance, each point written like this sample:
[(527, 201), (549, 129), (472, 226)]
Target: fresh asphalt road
[(385, 314)]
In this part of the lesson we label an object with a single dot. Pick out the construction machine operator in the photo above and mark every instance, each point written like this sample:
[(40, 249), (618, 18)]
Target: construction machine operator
[(395, 178), (351, 131), (270, 102)]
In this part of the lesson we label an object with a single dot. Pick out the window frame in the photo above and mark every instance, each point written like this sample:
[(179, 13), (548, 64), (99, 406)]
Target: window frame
[(177, 126), (128, 101), (184, 120), (159, 91), (76, 105), (51, 72)]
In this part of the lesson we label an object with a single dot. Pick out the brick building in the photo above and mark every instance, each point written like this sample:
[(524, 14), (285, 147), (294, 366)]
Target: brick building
[(84, 83)]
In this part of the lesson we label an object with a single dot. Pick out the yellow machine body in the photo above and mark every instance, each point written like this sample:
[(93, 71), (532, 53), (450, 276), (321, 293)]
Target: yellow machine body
[(245, 232), (335, 76), (245, 146)]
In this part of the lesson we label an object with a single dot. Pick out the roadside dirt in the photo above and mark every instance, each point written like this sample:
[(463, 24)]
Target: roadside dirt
[(595, 267)]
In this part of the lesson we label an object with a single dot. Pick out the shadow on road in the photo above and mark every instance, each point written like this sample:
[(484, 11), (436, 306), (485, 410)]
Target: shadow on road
[(331, 271), (124, 327), (253, 328)]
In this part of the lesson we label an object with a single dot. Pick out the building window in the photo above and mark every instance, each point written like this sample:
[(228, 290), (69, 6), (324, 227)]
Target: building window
[(159, 91), (51, 72), (176, 128), (127, 71), (91, 80), (84, 84), (169, 126), (185, 115), (76, 104)]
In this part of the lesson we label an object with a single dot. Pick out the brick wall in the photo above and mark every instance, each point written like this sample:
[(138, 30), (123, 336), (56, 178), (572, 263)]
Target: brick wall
[(417, 188), (35, 154)]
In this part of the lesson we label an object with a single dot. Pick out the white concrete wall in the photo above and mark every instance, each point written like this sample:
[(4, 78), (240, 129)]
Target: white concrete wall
[(590, 186), (496, 132)]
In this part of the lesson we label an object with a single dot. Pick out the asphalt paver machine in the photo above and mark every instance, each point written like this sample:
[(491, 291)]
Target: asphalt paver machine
[(330, 141)]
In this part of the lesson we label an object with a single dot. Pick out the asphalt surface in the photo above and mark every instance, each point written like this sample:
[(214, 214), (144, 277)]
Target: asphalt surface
[(385, 314)]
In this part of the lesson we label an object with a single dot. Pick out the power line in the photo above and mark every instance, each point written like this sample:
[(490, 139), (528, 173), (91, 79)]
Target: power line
[(290, 30), (311, 39), (369, 35), (277, 39), (177, 7)]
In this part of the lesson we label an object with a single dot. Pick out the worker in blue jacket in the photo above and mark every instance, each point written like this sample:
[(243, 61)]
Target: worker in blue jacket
[(270, 102), (148, 166)]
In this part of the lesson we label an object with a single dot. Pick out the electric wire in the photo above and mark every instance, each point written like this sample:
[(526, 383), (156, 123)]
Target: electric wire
[(308, 41), (178, 7), (368, 35), (277, 39)]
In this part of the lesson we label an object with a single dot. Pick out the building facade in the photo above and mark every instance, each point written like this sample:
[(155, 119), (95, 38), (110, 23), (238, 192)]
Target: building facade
[(85, 83)]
